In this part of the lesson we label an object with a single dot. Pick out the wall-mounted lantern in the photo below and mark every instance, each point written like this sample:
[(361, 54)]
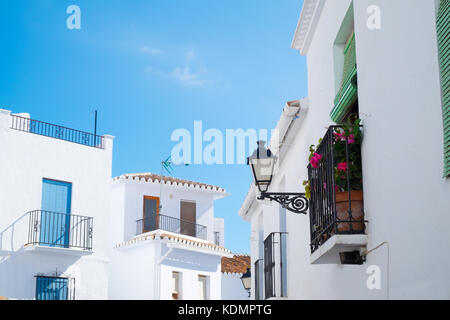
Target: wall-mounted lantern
[(262, 163)]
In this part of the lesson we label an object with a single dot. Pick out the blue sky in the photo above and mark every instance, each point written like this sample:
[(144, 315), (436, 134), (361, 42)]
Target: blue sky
[(150, 67)]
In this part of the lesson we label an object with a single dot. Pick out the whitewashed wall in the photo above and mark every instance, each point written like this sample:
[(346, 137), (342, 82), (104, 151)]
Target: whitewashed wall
[(132, 272), (128, 200), (190, 265), (25, 159), (232, 288), (144, 271), (406, 199), (147, 267)]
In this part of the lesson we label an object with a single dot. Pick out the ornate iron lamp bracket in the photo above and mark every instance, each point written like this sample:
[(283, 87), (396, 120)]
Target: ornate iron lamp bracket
[(294, 202)]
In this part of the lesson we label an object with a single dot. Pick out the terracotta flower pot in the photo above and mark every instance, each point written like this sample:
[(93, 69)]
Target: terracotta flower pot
[(356, 224)]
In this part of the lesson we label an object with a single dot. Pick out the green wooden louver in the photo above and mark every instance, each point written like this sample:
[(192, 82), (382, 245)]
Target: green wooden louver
[(348, 92), (443, 33)]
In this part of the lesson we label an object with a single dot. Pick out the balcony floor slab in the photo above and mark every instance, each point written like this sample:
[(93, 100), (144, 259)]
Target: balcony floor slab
[(328, 253), (57, 250)]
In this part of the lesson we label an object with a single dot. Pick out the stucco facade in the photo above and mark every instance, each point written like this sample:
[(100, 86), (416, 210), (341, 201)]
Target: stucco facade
[(26, 159), (144, 261), (406, 199)]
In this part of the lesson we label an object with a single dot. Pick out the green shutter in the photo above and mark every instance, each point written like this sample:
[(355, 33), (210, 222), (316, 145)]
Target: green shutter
[(348, 91), (443, 33)]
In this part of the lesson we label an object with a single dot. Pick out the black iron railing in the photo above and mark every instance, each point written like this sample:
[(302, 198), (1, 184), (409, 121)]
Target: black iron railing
[(55, 288), (171, 224), (274, 265), (60, 230), (259, 284), (333, 207), (57, 132)]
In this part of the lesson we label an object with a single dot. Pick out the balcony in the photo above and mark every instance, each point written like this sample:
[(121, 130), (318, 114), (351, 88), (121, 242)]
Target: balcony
[(337, 224), (56, 231), (171, 224), (55, 288), (58, 132), (275, 281)]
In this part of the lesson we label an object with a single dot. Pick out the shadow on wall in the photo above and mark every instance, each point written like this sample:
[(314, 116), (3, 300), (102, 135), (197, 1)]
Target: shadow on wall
[(7, 235), (179, 258), (19, 268)]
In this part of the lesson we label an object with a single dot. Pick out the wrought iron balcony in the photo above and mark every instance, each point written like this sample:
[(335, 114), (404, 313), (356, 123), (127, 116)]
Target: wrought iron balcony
[(336, 203), (275, 284), (55, 288), (259, 285), (57, 132), (170, 224), (61, 230)]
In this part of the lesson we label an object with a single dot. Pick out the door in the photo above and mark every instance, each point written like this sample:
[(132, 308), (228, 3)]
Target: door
[(150, 217), (188, 218), (55, 213)]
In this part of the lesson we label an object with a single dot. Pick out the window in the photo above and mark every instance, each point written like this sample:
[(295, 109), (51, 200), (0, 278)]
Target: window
[(217, 238), (347, 94), (443, 34), (346, 99), (176, 295), (202, 287), (54, 288)]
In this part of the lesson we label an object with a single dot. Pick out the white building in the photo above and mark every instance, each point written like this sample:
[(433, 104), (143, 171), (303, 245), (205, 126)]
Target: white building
[(378, 59), (54, 204), (63, 220), (166, 242)]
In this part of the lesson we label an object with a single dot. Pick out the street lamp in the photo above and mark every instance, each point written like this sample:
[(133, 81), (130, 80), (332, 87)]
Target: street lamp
[(247, 280), (262, 163)]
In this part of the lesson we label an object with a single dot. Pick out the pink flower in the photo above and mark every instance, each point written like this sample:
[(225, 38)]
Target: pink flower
[(315, 160), (351, 139), (342, 166), (339, 136)]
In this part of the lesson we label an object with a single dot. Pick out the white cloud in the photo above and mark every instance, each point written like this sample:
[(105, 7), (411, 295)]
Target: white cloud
[(187, 77), (149, 50), (191, 73), (190, 56)]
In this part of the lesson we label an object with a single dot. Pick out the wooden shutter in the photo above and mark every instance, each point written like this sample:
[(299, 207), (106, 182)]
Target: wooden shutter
[(443, 33), (188, 218), (348, 91)]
